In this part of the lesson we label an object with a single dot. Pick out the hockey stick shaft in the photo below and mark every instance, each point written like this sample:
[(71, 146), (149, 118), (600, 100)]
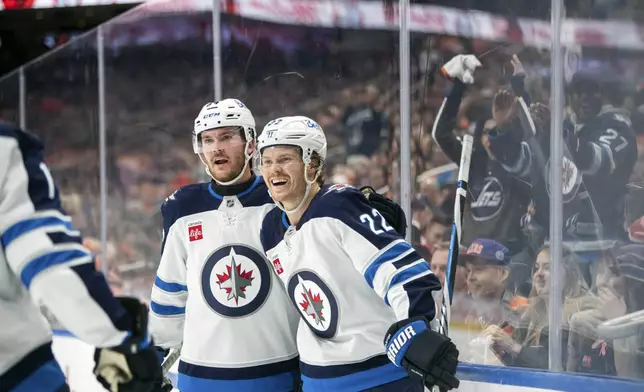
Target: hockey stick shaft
[(171, 359), (459, 205)]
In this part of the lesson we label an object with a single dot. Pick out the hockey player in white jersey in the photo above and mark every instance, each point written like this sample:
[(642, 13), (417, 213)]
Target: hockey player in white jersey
[(353, 278), (43, 265), (215, 291)]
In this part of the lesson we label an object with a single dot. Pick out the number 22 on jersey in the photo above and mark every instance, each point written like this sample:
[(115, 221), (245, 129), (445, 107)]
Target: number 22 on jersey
[(369, 219)]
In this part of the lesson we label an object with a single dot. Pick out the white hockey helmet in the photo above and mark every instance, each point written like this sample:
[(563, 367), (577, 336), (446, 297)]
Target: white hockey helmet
[(225, 113), (298, 131)]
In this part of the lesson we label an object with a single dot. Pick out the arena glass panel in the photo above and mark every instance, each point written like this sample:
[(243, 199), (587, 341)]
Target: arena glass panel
[(492, 281), (62, 110), (158, 74), (585, 251), (10, 97), (599, 85)]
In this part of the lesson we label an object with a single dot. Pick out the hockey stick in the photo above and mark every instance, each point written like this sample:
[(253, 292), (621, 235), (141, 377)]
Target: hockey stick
[(171, 359), (168, 362), (454, 243)]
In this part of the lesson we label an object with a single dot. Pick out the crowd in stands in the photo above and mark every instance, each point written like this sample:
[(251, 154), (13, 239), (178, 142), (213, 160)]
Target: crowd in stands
[(153, 93)]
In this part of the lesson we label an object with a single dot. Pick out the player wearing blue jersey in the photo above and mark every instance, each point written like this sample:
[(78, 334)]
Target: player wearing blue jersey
[(353, 278), (43, 264)]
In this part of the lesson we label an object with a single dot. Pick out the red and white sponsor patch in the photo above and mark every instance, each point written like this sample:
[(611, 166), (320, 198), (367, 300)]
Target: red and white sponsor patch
[(278, 266), (195, 231)]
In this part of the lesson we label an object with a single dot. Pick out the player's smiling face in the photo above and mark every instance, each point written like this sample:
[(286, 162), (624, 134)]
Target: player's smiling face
[(283, 170), (224, 152)]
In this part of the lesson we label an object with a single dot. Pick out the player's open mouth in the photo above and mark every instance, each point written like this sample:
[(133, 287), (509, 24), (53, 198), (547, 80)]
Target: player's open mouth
[(221, 161), (278, 182)]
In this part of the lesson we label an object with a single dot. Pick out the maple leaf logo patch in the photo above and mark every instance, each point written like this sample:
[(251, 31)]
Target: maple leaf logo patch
[(235, 280), (312, 304)]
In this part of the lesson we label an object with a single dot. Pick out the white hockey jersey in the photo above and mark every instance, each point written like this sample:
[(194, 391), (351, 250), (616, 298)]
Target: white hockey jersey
[(351, 276), (216, 293), (43, 265)]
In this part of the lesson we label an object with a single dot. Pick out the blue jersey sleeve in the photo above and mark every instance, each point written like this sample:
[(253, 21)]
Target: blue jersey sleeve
[(390, 266)]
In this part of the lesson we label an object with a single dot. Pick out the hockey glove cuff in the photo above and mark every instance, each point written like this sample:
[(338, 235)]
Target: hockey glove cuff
[(132, 366), (389, 209), (425, 354)]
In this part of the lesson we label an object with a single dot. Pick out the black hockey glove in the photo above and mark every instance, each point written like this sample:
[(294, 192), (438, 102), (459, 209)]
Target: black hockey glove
[(425, 354), (133, 366), (389, 209)]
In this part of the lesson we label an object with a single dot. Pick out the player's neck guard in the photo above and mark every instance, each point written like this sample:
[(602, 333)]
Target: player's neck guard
[(235, 189)]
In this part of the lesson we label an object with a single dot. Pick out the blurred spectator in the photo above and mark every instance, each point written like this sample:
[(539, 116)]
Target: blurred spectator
[(525, 343), (365, 126)]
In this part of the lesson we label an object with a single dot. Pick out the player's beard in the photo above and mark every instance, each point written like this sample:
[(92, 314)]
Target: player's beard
[(232, 169)]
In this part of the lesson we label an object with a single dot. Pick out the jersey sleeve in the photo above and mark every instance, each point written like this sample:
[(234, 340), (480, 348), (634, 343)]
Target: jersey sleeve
[(390, 266), (608, 152), (445, 122), (45, 252), (170, 289)]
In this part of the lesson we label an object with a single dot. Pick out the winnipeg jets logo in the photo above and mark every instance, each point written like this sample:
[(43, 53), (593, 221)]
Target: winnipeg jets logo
[(571, 179), (312, 303), (489, 200), (569, 175), (235, 280), (314, 299)]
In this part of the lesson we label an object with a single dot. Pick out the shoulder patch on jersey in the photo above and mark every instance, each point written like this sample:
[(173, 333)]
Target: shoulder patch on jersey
[(235, 280), (316, 302)]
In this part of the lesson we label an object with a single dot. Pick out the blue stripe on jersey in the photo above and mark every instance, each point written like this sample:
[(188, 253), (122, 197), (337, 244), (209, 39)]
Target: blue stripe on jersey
[(407, 274), (48, 377), (60, 237), (419, 292), (213, 193), (169, 287), (252, 187), (279, 376), (20, 228), (39, 264), (167, 310), (410, 258), (388, 255), (102, 295), (358, 381), (278, 383)]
